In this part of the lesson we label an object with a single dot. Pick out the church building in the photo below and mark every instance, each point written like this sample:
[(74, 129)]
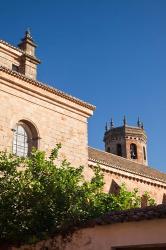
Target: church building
[(36, 114)]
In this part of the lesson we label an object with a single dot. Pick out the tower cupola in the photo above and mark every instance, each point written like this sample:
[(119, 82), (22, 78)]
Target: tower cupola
[(127, 141)]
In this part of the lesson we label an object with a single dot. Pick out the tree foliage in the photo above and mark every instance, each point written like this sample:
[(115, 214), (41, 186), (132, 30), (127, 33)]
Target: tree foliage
[(39, 198)]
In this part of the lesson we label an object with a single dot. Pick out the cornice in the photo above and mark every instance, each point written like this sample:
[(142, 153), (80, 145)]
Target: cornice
[(34, 59), (11, 46), (130, 172), (47, 88), (20, 50)]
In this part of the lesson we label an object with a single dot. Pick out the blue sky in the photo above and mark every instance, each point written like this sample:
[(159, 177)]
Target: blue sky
[(111, 53)]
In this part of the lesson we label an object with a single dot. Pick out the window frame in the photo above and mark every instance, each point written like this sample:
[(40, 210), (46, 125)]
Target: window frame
[(23, 143)]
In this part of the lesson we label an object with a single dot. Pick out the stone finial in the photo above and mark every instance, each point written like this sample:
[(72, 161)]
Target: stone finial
[(28, 33), (27, 43), (124, 120), (106, 127), (142, 125), (111, 123), (138, 122)]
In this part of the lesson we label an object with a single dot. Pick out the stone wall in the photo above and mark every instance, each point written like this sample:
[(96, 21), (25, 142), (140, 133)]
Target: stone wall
[(9, 56), (107, 237), (56, 119), (155, 188)]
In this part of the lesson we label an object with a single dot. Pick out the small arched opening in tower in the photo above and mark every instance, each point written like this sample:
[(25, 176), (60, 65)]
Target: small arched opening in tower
[(133, 151), (144, 152), (119, 149), (108, 150)]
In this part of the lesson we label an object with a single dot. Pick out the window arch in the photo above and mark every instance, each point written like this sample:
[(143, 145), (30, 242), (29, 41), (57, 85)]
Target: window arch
[(133, 151), (24, 138)]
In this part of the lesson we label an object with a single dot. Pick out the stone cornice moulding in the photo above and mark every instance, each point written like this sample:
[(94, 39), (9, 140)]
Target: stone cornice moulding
[(11, 46), (47, 88), (105, 167), (20, 50)]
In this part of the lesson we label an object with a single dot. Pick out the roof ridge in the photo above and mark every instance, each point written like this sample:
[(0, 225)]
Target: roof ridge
[(133, 214), (48, 88), (128, 215)]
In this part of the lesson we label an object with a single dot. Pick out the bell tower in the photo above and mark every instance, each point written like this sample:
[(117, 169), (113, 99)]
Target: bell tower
[(126, 141)]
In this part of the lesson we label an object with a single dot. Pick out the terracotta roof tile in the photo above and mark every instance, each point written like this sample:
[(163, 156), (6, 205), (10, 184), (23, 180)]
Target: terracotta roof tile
[(18, 49), (112, 160), (136, 214)]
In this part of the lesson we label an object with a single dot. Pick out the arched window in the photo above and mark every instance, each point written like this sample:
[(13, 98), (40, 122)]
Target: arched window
[(119, 149), (24, 138), (144, 152), (133, 151)]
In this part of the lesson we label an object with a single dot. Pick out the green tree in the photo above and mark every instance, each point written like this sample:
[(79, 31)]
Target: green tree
[(39, 198)]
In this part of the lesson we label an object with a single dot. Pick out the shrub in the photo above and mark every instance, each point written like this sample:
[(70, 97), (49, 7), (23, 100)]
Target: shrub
[(39, 198)]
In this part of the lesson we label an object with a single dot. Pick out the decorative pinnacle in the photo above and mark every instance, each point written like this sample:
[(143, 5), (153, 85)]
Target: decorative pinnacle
[(112, 123), (138, 122), (142, 125), (106, 127), (28, 33), (124, 120)]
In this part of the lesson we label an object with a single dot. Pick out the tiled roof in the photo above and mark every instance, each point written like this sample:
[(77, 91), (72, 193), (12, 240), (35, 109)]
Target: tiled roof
[(115, 161), (130, 215), (11, 46), (20, 50), (136, 214), (47, 88)]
